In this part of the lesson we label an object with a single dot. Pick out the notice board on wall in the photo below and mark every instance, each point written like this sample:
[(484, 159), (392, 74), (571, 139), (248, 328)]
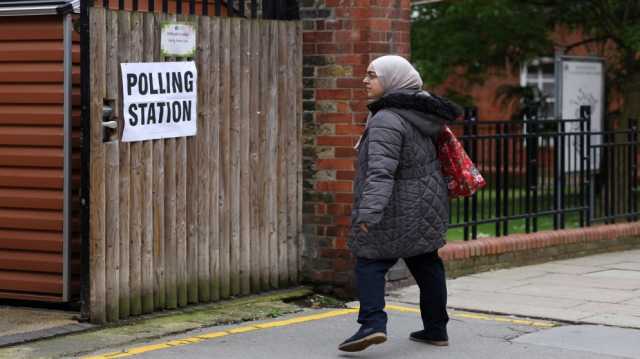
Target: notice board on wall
[(580, 83)]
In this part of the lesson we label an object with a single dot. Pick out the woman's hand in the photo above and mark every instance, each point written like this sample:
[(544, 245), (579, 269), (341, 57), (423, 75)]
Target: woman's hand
[(364, 227)]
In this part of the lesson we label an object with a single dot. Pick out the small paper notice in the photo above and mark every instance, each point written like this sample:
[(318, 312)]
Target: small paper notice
[(177, 39)]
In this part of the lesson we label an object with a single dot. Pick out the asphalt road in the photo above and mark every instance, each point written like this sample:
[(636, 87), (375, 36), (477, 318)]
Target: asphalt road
[(471, 336)]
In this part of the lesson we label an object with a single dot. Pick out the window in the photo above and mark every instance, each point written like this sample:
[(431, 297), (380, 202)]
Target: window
[(540, 73)]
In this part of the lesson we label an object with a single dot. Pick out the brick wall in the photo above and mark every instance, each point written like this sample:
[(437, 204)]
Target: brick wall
[(341, 37)]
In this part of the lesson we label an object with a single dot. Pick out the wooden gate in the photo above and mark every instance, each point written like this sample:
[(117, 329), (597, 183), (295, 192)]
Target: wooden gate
[(197, 219)]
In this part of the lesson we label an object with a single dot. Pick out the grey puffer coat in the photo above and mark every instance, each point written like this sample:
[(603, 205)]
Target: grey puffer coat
[(399, 190)]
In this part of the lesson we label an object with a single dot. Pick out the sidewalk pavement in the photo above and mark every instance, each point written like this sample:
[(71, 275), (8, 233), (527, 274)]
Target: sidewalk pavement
[(21, 324), (599, 289)]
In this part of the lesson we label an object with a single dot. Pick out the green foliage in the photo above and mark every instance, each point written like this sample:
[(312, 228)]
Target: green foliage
[(474, 36)]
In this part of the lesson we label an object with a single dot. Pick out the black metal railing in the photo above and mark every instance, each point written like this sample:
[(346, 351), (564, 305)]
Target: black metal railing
[(546, 174), (265, 9)]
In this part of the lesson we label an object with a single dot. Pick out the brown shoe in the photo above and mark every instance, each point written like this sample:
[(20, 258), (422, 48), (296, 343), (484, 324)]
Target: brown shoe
[(420, 336)]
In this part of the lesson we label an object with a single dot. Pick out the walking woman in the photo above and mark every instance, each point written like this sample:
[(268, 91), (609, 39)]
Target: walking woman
[(401, 204)]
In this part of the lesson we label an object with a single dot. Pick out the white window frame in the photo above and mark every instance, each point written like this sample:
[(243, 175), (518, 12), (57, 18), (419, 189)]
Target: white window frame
[(540, 80)]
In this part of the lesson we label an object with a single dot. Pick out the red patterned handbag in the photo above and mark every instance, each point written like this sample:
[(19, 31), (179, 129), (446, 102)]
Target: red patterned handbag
[(464, 177)]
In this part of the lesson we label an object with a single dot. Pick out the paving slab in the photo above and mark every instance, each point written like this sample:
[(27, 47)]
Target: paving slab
[(588, 339), (616, 274), (484, 285), (21, 324), (606, 308), (538, 289), (586, 281), (519, 273), (625, 265), (562, 268), (615, 319), (600, 260), (601, 289), (18, 320)]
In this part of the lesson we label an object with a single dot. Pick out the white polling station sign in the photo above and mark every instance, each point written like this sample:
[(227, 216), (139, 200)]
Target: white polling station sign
[(159, 100)]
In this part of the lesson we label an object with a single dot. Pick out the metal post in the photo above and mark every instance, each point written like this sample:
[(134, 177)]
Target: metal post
[(584, 199), (527, 194), (85, 79), (563, 155), (558, 154), (585, 115), (465, 144), (632, 167), (499, 179), (505, 177), (532, 171), (254, 9), (474, 144)]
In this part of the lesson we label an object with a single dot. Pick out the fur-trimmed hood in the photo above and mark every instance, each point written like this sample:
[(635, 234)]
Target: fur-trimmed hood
[(425, 111)]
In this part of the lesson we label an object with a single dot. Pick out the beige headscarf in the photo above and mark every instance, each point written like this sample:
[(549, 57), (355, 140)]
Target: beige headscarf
[(396, 73)]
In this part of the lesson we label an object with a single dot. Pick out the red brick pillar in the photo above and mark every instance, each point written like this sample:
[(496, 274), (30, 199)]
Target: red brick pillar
[(341, 37)]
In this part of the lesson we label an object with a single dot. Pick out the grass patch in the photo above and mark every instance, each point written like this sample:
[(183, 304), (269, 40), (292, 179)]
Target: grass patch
[(571, 220)]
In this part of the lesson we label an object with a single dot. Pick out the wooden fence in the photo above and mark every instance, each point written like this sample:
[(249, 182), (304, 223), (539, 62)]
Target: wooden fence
[(202, 218)]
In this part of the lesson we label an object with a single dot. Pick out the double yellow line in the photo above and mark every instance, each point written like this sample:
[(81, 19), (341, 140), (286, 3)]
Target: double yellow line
[(298, 320)]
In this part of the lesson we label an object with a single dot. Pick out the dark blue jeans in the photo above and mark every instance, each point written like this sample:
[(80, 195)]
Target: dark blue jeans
[(428, 271)]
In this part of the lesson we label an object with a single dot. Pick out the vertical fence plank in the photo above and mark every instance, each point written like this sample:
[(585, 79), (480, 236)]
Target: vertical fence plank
[(181, 218), (283, 275), (245, 183), (272, 150), (292, 154), (112, 223), (214, 95), (112, 229), (170, 220), (265, 94), (300, 143), (225, 159), (204, 160), (235, 154), (97, 248), (124, 50), (171, 244), (158, 225), (254, 118), (158, 204), (147, 272), (135, 226), (192, 194), (192, 182)]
